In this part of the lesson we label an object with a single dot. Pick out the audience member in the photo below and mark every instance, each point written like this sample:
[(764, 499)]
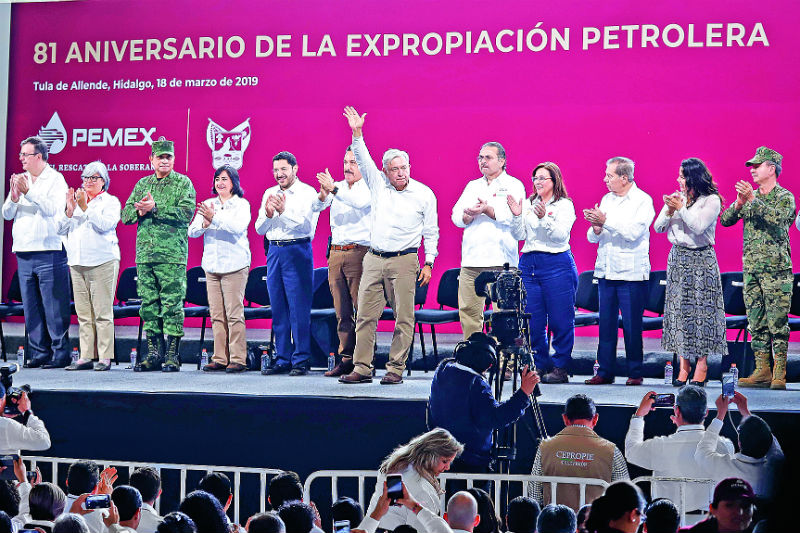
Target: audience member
[(177, 522), (489, 522), (148, 482), (265, 523), (620, 509), (46, 501), (297, 516), (521, 515), (84, 477), (557, 518), (429, 521), (463, 513), (583, 516), (218, 485), (731, 509), (662, 516), (346, 508), (70, 523), (285, 487), (9, 497), (5, 523), (205, 511), (673, 455), (126, 510), (404, 528), (25, 432), (566, 454)]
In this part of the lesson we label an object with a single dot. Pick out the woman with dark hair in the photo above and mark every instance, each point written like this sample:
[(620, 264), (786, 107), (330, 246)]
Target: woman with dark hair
[(223, 221), (548, 269), (694, 317), (205, 511), (46, 501), (176, 522), (489, 522), (619, 510)]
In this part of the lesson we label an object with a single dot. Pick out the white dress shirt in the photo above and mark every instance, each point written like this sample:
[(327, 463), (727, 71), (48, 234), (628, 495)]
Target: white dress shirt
[(350, 206), (418, 488), (549, 233), (15, 437), (94, 519), (225, 245), (399, 219), (92, 234), (489, 242), (691, 227), (624, 244), (35, 226), (673, 456), (297, 221), (150, 519)]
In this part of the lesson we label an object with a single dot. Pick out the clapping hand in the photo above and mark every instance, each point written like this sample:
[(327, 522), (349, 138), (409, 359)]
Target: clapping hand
[(80, 199), (325, 181), (71, 202), (145, 205), (744, 192), (22, 183), (539, 209), (514, 206), (15, 194), (207, 212)]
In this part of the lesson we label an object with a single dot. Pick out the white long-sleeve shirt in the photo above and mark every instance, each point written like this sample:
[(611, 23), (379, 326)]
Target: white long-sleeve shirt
[(297, 221), (623, 251), (35, 226), (91, 235), (549, 233), (691, 227), (489, 242), (15, 437), (350, 207), (225, 245), (399, 219)]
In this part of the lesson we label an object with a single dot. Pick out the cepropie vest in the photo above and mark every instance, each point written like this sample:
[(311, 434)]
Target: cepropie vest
[(576, 451)]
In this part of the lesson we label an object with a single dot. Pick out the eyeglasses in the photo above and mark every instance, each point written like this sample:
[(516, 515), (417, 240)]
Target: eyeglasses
[(395, 170), (93, 179), (23, 154), (541, 178), (486, 157)]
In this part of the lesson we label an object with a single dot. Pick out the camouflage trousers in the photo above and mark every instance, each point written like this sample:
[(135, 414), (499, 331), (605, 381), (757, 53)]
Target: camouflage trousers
[(767, 297), (162, 288)]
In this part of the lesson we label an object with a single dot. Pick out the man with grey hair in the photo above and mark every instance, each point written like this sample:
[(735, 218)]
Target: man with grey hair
[(36, 197), (462, 512), (482, 211), (620, 226), (403, 212)]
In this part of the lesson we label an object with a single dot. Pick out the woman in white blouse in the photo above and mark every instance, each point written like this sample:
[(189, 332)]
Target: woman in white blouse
[(548, 269), (90, 223), (694, 317), (223, 221)]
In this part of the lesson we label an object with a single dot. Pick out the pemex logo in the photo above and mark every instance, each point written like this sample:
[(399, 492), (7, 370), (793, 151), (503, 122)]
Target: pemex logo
[(54, 134)]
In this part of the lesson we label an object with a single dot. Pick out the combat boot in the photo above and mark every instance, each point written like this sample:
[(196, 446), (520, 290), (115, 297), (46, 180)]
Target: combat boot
[(173, 355), (779, 373), (761, 377), (155, 354)]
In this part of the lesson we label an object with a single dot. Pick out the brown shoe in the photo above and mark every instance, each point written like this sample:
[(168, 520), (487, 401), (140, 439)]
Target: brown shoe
[(235, 368), (345, 366), (355, 377), (391, 379), (214, 367), (558, 375), (634, 381), (599, 380)]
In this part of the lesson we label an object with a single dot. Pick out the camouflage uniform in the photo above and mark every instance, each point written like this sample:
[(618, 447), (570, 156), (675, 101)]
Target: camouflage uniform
[(767, 273)]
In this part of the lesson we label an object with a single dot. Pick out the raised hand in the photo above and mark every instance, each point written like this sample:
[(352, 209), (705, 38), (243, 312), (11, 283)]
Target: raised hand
[(15, 194), (514, 206), (269, 206), (80, 198), (280, 203), (539, 209), (207, 212), (354, 120), (22, 184), (325, 181), (744, 192), (71, 203)]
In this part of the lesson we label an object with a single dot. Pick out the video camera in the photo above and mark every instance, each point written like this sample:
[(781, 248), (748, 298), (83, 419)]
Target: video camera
[(13, 394), (509, 321)]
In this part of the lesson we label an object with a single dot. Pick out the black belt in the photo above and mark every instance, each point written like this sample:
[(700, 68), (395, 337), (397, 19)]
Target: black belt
[(407, 251), (289, 242)]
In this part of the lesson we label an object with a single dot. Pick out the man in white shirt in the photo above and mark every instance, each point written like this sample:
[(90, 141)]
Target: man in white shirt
[(482, 210), (673, 455), (288, 224), (27, 432), (403, 213), (349, 201), (36, 197), (83, 478), (621, 228), (126, 510), (148, 482)]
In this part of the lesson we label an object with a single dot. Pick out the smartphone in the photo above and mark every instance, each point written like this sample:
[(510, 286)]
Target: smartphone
[(664, 400), (98, 501), (27, 531), (728, 385), (8, 462), (341, 526), (394, 487), (31, 475)]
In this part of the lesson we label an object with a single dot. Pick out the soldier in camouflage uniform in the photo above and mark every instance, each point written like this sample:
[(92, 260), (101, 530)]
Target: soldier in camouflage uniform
[(767, 265), (162, 204)]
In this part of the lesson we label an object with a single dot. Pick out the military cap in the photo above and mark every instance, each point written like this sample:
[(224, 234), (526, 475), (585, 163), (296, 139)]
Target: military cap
[(163, 146), (765, 154)]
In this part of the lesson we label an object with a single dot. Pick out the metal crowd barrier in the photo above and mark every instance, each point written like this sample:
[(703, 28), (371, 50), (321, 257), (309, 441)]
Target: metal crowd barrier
[(682, 482)]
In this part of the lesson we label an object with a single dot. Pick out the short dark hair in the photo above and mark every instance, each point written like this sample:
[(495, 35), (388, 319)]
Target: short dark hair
[(287, 156), (298, 517), (147, 480), (82, 477), (206, 512), (9, 497), (404, 528), (579, 407), (266, 523), (46, 501), (176, 522), (522, 514), (755, 437), (218, 485), (70, 523), (346, 508), (39, 146), (692, 403), (662, 516), (5, 523), (128, 500), (557, 518), (233, 174), (284, 488)]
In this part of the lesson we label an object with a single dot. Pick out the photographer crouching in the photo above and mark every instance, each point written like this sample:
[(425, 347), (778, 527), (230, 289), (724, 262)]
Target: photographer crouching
[(462, 402), (19, 427)]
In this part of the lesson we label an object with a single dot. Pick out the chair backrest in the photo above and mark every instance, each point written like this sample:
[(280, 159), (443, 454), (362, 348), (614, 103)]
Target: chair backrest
[(447, 294), (421, 294), (586, 296), (196, 292), (733, 293), (256, 289), (14, 292), (795, 309), (656, 291), (127, 286), (322, 297)]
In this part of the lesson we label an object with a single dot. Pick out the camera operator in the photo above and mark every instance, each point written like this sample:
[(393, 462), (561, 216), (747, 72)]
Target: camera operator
[(461, 401), (20, 429)]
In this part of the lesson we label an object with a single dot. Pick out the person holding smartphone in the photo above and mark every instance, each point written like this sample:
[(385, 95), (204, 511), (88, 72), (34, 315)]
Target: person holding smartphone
[(20, 429)]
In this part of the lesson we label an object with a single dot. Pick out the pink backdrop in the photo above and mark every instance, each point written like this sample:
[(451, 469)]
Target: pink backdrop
[(576, 107)]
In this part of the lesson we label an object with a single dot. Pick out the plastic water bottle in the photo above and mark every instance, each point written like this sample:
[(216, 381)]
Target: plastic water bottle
[(134, 357), (266, 361), (21, 356), (331, 361), (735, 373), (204, 358), (668, 373), (595, 368), (75, 355)]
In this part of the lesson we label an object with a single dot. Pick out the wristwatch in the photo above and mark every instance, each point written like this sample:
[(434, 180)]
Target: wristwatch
[(154, 211), (335, 190), (429, 264)]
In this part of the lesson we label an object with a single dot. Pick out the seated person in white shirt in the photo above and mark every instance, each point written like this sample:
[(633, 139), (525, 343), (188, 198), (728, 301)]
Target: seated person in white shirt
[(218, 485), (84, 478), (673, 455), (45, 502), (23, 432), (70, 523), (148, 482), (125, 511)]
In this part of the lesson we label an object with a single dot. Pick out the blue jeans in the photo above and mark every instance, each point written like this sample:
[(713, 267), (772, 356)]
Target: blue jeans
[(629, 298), (551, 280)]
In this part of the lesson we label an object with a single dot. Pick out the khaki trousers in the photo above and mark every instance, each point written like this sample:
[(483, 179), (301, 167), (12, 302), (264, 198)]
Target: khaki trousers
[(344, 276), (94, 288), (393, 279), (225, 297), (470, 305)]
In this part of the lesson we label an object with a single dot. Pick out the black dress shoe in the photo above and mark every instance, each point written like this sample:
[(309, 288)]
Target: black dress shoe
[(55, 363), (699, 383), (81, 364), (298, 371), (557, 375), (36, 363), (678, 383), (277, 369)]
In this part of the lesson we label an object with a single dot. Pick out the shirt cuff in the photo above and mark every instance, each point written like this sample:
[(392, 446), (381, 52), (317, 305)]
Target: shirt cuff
[(369, 524)]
